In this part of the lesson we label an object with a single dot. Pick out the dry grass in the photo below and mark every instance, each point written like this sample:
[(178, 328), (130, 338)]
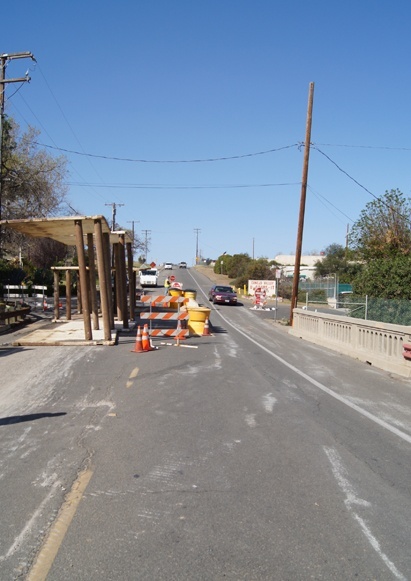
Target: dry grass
[(210, 274)]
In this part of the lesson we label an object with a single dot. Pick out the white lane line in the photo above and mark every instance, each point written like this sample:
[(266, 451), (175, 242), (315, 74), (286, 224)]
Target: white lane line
[(376, 546), (353, 406), (18, 541), (340, 474)]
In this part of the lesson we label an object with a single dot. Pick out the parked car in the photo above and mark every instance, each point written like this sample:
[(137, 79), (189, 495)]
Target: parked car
[(182, 265), (168, 266), (222, 294)]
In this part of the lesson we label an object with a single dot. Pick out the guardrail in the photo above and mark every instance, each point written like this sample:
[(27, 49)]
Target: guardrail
[(14, 315), (379, 344)]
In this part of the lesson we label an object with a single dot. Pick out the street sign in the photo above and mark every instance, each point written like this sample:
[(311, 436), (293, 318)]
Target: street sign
[(260, 297), (177, 285), (172, 278)]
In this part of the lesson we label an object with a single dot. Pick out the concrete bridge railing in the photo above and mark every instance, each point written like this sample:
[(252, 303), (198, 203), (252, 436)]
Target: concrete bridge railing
[(379, 344)]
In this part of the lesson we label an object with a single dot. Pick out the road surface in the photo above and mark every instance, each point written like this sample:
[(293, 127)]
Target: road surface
[(247, 454)]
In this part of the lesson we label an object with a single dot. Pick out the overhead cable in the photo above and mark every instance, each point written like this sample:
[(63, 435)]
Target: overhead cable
[(207, 160)]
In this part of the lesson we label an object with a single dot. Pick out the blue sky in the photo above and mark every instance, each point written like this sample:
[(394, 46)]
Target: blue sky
[(178, 81)]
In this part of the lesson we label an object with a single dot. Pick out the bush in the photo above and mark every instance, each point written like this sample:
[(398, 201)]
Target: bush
[(394, 311)]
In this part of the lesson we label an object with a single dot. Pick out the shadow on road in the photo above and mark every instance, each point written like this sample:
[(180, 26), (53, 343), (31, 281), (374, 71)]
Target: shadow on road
[(28, 418)]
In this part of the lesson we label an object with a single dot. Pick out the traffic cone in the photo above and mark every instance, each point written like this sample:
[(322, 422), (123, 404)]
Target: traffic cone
[(146, 340), (44, 305), (138, 348), (206, 331)]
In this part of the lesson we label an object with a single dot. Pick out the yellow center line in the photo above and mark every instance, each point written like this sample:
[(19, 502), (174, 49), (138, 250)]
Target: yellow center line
[(52, 543), (132, 375)]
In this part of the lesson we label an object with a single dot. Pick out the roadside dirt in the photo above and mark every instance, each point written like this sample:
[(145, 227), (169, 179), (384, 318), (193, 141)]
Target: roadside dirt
[(209, 273)]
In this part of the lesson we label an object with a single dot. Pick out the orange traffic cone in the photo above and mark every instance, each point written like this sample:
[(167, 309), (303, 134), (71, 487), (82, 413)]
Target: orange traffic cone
[(146, 339), (206, 331), (138, 348)]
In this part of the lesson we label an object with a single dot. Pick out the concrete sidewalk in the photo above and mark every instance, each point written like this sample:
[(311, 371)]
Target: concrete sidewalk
[(68, 333)]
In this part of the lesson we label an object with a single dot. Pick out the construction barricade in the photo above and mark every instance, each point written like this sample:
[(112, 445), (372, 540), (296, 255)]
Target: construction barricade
[(163, 322)]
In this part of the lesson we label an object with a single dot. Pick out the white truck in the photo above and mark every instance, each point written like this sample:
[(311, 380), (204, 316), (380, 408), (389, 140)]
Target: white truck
[(148, 277)]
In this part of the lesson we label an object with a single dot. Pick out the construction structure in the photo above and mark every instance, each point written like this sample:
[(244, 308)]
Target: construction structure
[(97, 246)]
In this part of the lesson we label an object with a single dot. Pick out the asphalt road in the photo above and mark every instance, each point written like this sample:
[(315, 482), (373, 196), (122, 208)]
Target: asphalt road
[(247, 454)]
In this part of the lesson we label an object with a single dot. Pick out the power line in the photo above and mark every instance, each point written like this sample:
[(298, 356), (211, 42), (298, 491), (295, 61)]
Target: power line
[(360, 185), (324, 199), (363, 146), (344, 172), (206, 160), (181, 187)]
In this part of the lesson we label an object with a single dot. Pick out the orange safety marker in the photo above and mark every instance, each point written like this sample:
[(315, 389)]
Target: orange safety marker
[(206, 331), (138, 348), (146, 340)]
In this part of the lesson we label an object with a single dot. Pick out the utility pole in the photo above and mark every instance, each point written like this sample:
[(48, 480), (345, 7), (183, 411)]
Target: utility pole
[(296, 280), (132, 222), (146, 234), (114, 212), (197, 231), (4, 59), (346, 242)]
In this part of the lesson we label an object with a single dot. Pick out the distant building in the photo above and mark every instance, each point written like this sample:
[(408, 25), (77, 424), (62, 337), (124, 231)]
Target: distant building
[(307, 262)]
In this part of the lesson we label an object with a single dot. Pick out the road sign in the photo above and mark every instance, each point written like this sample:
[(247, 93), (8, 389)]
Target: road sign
[(177, 285), (172, 278), (260, 296)]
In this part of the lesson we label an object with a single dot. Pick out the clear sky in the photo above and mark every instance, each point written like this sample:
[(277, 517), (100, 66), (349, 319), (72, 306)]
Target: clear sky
[(175, 81)]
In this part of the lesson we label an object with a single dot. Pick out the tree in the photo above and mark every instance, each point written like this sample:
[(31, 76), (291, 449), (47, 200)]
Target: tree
[(336, 263), (256, 270), (32, 180), (238, 265), (388, 279), (383, 229)]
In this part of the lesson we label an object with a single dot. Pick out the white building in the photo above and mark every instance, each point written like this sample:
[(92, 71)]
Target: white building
[(307, 262)]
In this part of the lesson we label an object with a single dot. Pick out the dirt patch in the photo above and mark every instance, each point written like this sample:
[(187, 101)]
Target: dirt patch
[(211, 275)]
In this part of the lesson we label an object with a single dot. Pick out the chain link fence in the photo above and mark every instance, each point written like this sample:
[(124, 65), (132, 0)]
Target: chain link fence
[(394, 311)]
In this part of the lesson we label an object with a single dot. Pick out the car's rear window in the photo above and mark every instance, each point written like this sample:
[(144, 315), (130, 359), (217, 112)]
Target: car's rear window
[(224, 289)]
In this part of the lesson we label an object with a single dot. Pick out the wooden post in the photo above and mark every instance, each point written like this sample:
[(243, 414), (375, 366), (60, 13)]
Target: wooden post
[(123, 285), (68, 295), (117, 275), (83, 280), (56, 281), (131, 281), (296, 279), (102, 276), (92, 280), (79, 301), (107, 262)]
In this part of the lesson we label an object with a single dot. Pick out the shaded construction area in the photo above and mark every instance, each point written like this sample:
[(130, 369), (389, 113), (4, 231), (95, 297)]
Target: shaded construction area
[(106, 278)]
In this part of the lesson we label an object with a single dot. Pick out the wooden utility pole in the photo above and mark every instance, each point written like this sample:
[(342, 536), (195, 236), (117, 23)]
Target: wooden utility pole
[(4, 59), (294, 296), (114, 213), (197, 231)]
